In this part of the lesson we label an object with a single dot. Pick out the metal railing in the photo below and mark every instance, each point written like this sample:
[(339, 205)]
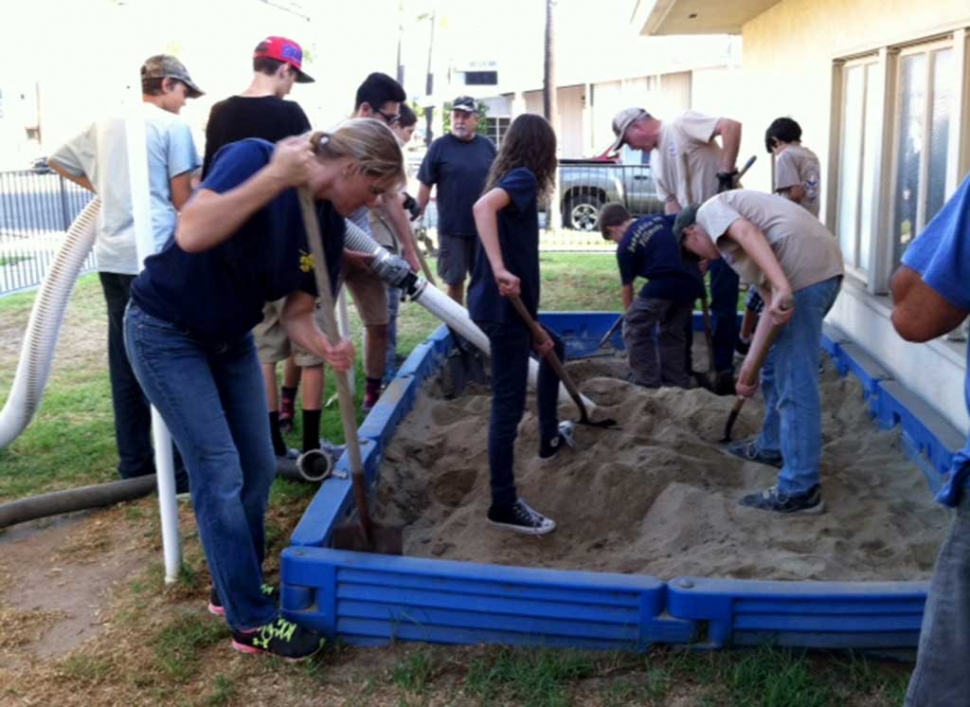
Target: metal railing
[(36, 209)]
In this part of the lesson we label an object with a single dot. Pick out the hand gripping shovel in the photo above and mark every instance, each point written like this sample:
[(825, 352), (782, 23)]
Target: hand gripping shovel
[(365, 536), (541, 338), (764, 338)]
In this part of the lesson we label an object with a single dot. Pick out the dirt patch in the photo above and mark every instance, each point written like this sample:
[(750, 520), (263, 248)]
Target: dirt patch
[(57, 581), (660, 496)]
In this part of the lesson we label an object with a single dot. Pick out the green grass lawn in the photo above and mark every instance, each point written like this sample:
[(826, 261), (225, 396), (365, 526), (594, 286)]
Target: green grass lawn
[(180, 653)]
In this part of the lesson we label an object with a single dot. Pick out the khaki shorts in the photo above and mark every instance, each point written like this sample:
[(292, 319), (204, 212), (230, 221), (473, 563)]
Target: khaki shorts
[(369, 293), (272, 344)]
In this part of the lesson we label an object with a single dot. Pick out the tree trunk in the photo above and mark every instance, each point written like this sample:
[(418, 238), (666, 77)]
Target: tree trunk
[(549, 104)]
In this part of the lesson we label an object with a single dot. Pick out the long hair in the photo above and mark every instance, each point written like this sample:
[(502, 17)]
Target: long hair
[(530, 142), (370, 143)]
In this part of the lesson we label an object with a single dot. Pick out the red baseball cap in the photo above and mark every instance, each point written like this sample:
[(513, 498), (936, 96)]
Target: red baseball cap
[(285, 50)]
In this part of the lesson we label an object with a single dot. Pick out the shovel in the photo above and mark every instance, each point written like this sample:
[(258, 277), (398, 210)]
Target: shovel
[(366, 535), (542, 339), (761, 343)]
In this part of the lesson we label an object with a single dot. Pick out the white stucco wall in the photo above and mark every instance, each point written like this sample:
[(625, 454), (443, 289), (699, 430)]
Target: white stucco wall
[(787, 70)]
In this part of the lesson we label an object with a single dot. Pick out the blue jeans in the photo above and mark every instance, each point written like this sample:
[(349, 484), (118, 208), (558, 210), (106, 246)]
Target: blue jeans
[(511, 343), (212, 398), (724, 314), (789, 380), (941, 678), (393, 307)]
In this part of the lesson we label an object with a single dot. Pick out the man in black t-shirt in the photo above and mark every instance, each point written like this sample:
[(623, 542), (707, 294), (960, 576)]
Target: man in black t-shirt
[(260, 111), (458, 164)]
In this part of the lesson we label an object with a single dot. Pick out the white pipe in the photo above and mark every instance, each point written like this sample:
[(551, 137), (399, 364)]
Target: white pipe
[(44, 326), (343, 325), (145, 241)]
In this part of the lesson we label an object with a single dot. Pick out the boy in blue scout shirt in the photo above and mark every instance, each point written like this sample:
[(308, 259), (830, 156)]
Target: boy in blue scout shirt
[(656, 320), (931, 293), (507, 263)]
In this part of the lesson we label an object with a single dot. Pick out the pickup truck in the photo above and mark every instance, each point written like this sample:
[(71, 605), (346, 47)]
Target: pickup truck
[(585, 185)]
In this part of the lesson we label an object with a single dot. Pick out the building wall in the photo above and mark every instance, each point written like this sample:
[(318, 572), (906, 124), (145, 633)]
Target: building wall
[(788, 70)]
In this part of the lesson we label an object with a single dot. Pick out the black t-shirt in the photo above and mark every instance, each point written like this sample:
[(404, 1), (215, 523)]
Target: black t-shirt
[(240, 117), (518, 232), (460, 169), (649, 249), (218, 294)]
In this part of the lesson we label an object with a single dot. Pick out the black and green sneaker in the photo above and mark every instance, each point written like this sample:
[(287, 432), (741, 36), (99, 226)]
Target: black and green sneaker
[(281, 638), (215, 603)]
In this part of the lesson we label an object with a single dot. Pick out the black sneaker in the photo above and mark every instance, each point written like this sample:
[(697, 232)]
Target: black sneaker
[(281, 638), (772, 499), (549, 448), (750, 453), (215, 603), (521, 518)]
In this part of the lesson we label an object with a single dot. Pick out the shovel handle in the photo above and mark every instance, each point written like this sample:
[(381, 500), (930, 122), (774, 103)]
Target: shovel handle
[(539, 334), (344, 396), (609, 334), (708, 336)]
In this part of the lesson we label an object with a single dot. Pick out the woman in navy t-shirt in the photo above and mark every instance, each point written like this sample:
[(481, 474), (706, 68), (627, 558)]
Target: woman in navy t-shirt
[(241, 243), (507, 263)]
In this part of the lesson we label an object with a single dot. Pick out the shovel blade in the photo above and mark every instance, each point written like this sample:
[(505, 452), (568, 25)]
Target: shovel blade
[(381, 540)]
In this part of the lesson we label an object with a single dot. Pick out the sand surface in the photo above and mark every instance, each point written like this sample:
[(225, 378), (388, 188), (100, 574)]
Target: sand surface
[(660, 496)]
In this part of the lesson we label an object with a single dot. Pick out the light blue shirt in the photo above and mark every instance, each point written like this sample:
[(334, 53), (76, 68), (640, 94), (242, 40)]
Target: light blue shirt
[(100, 153)]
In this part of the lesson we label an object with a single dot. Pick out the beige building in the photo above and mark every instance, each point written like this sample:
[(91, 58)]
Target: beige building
[(881, 89)]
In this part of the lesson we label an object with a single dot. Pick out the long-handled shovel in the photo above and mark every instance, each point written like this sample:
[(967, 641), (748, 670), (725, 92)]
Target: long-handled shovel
[(761, 343), (366, 535), (542, 341)]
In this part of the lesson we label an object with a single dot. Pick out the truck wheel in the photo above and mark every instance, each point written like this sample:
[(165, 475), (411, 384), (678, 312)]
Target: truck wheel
[(582, 213)]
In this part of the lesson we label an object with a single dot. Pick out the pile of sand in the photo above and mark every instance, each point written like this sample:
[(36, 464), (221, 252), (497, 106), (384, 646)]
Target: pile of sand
[(660, 496)]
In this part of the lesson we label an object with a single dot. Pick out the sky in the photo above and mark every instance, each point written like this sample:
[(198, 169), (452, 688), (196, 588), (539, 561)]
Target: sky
[(85, 54)]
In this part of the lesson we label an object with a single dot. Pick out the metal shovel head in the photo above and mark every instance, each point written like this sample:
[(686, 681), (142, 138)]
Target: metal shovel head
[(383, 541), (466, 365)]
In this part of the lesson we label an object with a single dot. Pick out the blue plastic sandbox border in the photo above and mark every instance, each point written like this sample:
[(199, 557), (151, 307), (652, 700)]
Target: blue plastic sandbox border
[(368, 599)]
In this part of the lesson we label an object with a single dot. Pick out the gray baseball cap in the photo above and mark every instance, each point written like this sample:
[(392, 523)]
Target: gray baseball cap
[(165, 66), (466, 104), (622, 121)]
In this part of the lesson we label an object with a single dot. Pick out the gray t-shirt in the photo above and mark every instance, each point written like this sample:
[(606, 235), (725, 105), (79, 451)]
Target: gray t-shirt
[(687, 158), (100, 153), (798, 165), (807, 252)]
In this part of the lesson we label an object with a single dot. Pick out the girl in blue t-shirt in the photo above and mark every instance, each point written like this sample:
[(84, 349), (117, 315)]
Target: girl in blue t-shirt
[(507, 263), (240, 243)]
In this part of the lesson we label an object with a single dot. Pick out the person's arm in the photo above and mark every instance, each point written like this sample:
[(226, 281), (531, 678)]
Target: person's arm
[(486, 211), (920, 313), (181, 187), (627, 293), (298, 321), (81, 180), (793, 193), (672, 206), (730, 132), (754, 243), (210, 217), (424, 196), (393, 208)]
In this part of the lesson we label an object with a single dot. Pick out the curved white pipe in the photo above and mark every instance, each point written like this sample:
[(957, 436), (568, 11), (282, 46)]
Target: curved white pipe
[(44, 327)]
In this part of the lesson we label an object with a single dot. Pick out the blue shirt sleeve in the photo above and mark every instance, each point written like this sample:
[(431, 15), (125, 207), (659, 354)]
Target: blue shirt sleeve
[(182, 155), (624, 259), (521, 186), (941, 254), (428, 173), (237, 162)]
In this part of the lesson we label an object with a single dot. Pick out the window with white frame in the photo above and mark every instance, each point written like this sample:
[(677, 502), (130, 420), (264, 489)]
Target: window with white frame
[(896, 163), (859, 137), (924, 91)]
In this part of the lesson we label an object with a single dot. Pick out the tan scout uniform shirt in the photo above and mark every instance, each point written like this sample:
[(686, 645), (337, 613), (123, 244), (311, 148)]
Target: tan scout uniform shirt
[(686, 160), (799, 165), (807, 252)]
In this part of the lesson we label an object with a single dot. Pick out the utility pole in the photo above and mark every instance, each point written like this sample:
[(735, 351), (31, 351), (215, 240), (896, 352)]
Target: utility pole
[(400, 41), (549, 105), (429, 81)]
